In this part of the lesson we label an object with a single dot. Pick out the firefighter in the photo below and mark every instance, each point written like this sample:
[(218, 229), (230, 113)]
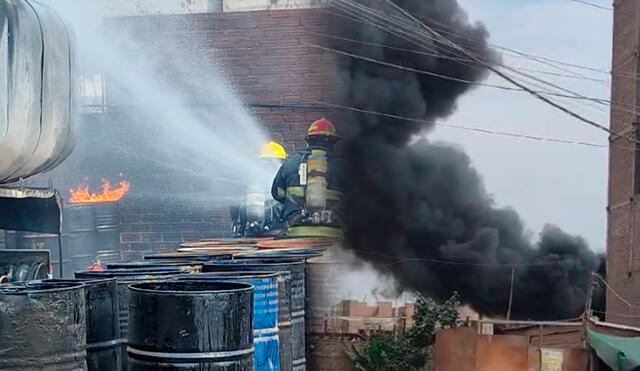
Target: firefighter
[(310, 185), (258, 214)]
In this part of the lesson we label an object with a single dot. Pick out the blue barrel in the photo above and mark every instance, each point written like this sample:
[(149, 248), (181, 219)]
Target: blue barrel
[(191, 325), (265, 313), (294, 271)]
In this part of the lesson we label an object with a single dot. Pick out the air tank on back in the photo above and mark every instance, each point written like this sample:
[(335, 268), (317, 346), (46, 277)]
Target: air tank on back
[(38, 89)]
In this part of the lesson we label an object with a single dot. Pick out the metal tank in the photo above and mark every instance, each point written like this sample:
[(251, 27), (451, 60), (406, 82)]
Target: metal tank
[(103, 332), (79, 236), (38, 89), (124, 278), (43, 327), (191, 325), (108, 231)]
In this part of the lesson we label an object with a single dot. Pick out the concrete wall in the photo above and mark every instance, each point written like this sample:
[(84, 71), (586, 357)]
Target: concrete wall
[(623, 245)]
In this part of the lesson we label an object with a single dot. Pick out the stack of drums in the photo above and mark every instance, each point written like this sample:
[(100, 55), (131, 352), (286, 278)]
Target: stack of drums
[(265, 313), (124, 278), (103, 331), (43, 327), (293, 270), (191, 325)]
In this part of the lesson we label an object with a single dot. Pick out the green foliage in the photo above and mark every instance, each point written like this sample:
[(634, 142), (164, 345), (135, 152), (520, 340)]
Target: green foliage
[(386, 352)]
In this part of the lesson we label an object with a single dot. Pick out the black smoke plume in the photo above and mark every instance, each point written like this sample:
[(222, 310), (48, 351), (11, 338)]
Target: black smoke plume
[(418, 210)]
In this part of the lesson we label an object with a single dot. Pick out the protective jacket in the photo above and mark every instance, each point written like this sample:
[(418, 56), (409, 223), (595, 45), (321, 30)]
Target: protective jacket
[(288, 190)]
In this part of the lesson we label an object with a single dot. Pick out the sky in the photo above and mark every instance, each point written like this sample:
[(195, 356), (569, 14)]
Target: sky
[(545, 182)]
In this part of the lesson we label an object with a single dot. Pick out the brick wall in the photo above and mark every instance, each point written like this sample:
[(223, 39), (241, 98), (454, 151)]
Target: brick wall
[(623, 245), (265, 57)]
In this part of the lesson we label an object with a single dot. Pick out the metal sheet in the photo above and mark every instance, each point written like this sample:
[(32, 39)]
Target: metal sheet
[(37, 76)]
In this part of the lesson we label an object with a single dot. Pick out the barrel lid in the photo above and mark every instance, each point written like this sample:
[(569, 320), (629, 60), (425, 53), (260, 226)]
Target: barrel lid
[(188, 287), (221, 275), (205, 256), (151, 264), (38, 287), (128, 272)]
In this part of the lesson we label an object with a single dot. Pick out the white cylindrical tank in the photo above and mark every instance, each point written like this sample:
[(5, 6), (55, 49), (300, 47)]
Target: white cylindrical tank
[(38, 89)]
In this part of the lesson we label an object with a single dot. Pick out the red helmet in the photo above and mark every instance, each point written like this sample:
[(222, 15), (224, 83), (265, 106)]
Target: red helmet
[(322, 127)]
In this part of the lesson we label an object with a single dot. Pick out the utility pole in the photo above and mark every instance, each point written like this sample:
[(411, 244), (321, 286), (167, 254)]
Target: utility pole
[(587, 311), (513, 276)]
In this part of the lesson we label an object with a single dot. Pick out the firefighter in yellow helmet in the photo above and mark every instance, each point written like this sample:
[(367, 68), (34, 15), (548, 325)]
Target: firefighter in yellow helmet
[(310, 185), (258, 214)]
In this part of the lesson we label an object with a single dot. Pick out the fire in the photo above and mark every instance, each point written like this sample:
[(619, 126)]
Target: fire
[(81, 195)]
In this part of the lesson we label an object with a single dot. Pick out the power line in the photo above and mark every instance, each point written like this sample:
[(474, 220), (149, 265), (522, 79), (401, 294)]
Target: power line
[(458, 59), (462, 127), (451, 262), (614, 291), (455, 79), (593, 5), (445, 41)]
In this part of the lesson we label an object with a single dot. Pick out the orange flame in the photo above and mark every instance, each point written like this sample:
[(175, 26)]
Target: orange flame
[(81, 195)]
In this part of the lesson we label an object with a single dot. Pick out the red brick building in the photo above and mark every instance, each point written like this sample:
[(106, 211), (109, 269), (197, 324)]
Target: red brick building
[(623, 245), (265, 54)]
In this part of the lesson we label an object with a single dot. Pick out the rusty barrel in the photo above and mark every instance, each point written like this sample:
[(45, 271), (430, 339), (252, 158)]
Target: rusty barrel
[(293, 269), (43, 327), (79, 236), (191, 325), (103, 331), (107, 220), (265, 312), (124, 278)]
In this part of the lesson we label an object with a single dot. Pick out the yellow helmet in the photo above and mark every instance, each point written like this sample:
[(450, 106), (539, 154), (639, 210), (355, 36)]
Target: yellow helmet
[(273, 150)]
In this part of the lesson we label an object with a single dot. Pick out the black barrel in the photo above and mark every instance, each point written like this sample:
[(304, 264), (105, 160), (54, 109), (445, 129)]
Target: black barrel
[(191, 325), (104, 351), (107, 216), (42, 327), (79, 236), (46, 241), (294, 270), (124, 278)]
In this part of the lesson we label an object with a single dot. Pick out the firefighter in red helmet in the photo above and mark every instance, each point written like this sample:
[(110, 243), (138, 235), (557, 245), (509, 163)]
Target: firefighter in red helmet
[(311, 185)]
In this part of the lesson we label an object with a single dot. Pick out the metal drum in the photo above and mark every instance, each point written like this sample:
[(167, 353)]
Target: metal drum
[(265, 313), (38, 90), (185, 266), (189, 256), (124, 278), (79, 236), (191, 325), (107, 216), (46, 241), (43, 327), (295, 269), (103, 331)]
